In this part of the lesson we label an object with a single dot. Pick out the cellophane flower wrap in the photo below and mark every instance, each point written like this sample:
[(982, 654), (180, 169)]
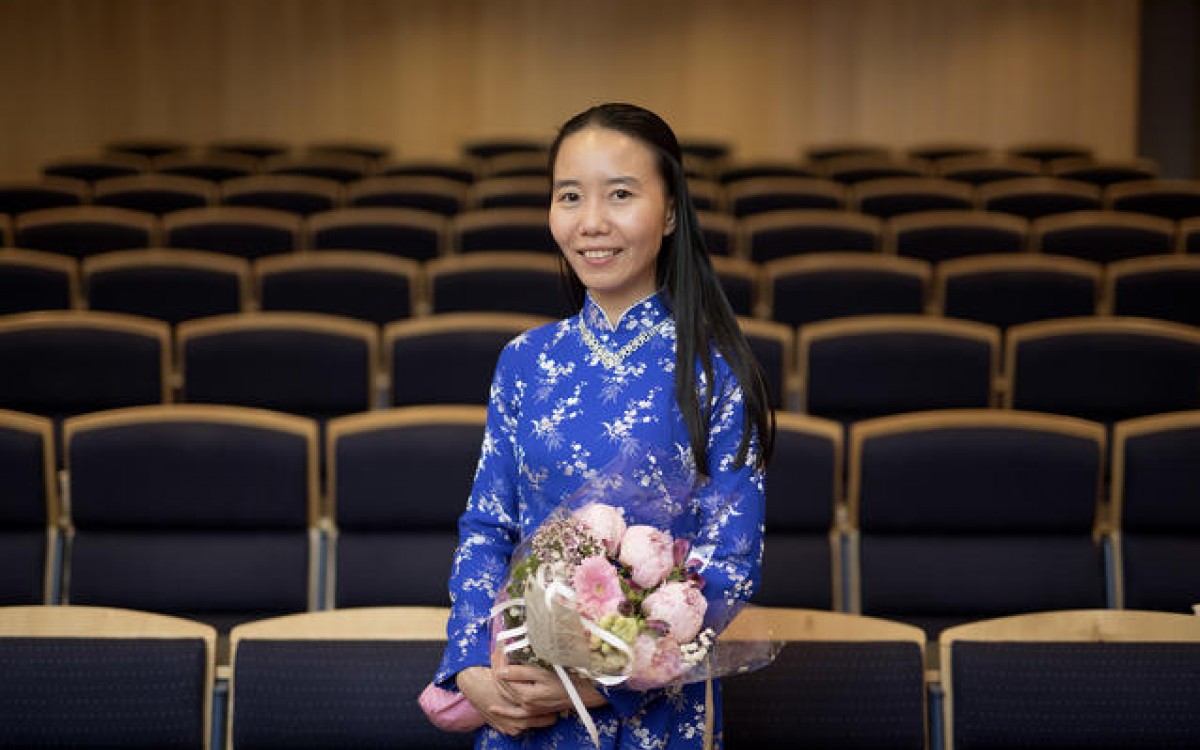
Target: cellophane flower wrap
[(610, 586)]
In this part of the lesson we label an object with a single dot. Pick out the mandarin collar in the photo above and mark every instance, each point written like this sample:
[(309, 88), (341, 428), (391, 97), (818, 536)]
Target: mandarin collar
[(641, 315)]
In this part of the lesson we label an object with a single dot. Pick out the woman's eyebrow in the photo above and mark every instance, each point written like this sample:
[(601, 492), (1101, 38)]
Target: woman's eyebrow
[(627, 179)]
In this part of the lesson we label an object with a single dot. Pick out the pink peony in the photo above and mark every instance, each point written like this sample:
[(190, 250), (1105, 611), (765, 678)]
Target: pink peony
[(597, 588), (656, 662), (680, 605), (649, 554), (604, 522)]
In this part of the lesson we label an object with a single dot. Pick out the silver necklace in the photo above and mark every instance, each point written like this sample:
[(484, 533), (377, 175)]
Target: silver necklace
[(610, 359)]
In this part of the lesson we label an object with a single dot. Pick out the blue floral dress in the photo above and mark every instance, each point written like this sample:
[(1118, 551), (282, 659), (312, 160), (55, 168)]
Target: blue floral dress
[(557, 416)]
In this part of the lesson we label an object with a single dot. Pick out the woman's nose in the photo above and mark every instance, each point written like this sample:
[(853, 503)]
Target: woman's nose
[(593, 219)]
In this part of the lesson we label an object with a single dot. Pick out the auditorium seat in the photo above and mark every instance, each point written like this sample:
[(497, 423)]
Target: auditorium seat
[(80, 231), (740, 281), (149, 147), (90, 168), (152, 193), (531, 283), (758, 195), (962, 514), (720, 232), (319, 366), (448, 358), (206, 512), (1104, 172), (935, 151), (818, 153), (1102, 236), (256, 148), (980, 169), (400, 232), (706, 195), (248, 233), (331, 166), (774, 346), (373, 151), (346, 679), (216, 167), (517, 164), (438, 195), (21, 196), (841, 682), (780, 234), (820, 286), (1172, 199), (1035, 197), (460, 172), (398, 481), (855, 168), (368, 286), (754, 169), (894, 196), (94, 677), (168, 285), (1166, 287), (295, 194), (36, 280), (29, 510), (511, 192), (871, 365), (936, 236), (1155, 487), (521, 229), (1103, 368), (1048, 151), (484, 148), (1012, 288), (1082, 679), (802, 558)]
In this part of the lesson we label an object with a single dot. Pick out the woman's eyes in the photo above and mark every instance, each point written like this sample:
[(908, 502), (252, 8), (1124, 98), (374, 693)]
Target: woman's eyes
[(573, 196), (622, 194)]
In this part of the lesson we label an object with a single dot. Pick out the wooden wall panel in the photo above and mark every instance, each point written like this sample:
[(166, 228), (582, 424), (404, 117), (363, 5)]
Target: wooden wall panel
[(771, 76)]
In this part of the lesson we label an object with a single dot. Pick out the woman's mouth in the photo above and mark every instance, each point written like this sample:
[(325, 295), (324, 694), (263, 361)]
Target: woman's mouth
[(599, 253)]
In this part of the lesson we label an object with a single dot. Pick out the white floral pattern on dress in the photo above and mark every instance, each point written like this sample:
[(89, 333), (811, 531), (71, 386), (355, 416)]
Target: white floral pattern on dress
[(556, 418)]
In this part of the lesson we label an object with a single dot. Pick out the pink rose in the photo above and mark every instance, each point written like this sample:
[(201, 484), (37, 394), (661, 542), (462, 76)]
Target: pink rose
[(597, 587), (604, 522), (680, 605), (649, 554), (656, 661)]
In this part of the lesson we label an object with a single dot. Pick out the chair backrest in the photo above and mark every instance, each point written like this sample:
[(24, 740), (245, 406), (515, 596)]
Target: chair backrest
[(373, 151), (522, 229), (1047, 151), (20, 196), (774, 346), (1035, 197), (966, 513), (757, 195), (820, 286), (1188, 240), (296, 194), (214, 166), (778, 234), (1167, 198), (1103, 368), (341, 167), (720, 232), (841, 681), (740, 170), (439, 195), (1012, 288), (461, 172), (1103, 172), (804, 492), (398, 482), (29, 509), (448, 358), (348, 677), (234, 230), (151, 147), (936, 236), (36, 280), (500, 281), (1166, 287), (91, 168), (80, 231), (93, 677), (168, 285), (980, 169), (59, 363), (1082, 679), (1103, 236), (368, 286), (872, 365), (402, 232), (895, 196), (740, 281), (156, 194), (204, 511), (511, 192), (1155, 487), (851, 169), (303, 363), (533, 163)]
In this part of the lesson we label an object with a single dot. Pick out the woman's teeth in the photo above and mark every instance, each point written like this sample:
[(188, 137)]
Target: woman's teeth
[(598, 254)]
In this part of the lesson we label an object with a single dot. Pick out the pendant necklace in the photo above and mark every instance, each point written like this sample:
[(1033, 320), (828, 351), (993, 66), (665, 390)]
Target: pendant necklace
[(610, 359)]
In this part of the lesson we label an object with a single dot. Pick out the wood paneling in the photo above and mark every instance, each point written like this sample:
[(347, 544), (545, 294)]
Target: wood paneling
[(771, 76)]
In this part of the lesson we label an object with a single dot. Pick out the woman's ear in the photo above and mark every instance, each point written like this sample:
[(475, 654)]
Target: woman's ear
[(669, 225)]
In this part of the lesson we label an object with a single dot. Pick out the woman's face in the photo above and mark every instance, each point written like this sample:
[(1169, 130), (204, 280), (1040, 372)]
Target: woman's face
[(609, 211)]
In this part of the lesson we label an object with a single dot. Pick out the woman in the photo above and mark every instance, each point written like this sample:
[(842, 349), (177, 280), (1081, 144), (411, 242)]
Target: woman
[(653, 360)]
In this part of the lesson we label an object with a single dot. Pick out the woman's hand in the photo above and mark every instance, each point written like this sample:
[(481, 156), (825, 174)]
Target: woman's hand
[(482, 689), (539, 690)]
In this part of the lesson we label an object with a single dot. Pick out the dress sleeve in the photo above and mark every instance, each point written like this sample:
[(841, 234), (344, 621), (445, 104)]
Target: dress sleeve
[(488, 530)]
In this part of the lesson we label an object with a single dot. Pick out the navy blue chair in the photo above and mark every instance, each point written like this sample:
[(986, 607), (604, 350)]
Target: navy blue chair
[(1035, 197), (1167, 198), (398, 481), (156, 194), (872, 365), (895, 196), (1155, 484), (740, 281), (1188, 239), (29, 510), (1081, 680), (935, 236), (529, 191), (720, 232), (521, 229), (439, 195), (215, 167), (1166, 287), (1103, 368), (748, 197), (347, 679), (319, 366), (821, 286), (367, 286), (774, 346), (96, 167), (530, 283), (80, 231), (818, 153), (963, 514), (802, 561), (95, 677), (461, 172), (448, 358), (206, 512), (1047, 151), (841, 682), (36, 280), (401, 232), (1013, 288), (980, 169), (373, 151), (851, 169), (1103, 173), (294, 194), (248, 233), (936, 151), (341, 167), (780, 234), (167, 285), (151, 148), (754, 169), (257, 149), (1103, 236), (491, 147), (21, 196)]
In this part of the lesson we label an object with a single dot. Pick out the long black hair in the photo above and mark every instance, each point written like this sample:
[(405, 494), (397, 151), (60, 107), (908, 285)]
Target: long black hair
[(702, 314)]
